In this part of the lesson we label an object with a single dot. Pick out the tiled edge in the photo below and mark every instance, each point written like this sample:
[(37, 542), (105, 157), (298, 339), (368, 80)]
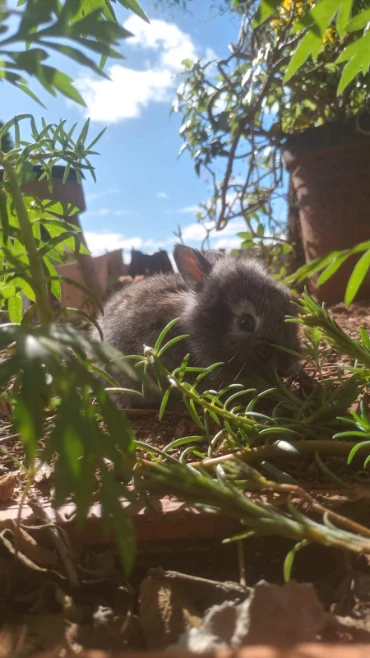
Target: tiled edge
[(169, 519), (299, 651)]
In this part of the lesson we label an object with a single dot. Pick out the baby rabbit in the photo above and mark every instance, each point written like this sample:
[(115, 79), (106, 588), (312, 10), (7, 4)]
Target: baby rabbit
[(231, 309)]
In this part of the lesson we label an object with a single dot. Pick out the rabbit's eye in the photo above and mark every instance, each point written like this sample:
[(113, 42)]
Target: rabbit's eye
[(246, 322)]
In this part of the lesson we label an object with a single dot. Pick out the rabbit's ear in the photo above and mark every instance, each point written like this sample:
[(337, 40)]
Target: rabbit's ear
[(192, 265)]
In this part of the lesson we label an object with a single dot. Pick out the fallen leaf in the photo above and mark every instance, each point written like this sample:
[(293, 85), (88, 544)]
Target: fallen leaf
[(165, 612), (7, 485), (43, 473)]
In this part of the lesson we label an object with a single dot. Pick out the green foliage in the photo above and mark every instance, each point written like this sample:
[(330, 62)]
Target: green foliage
[(53, 380), (313, 27), (318, 20), (50, 145), (238, 111), (47, 370), (298, 423), (67, 27), (6, 143), (329, 264), (283, 75)]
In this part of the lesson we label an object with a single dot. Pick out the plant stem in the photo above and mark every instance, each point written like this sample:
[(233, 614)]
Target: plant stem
[(239, 421), (324, 447), (35, 260)]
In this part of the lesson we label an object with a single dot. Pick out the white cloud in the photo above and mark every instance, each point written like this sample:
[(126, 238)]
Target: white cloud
[(193, 234), (187, 210), (99, 195), (226, 243), (104, 212), (166, 39), (162, 195), (101, 241), (130, 91), (125, 95)]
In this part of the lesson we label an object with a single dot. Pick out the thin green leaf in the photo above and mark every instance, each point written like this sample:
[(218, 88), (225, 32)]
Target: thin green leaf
[(164, 402), (357, 277), (332, 268), (266, 9), (355, 449), (358, 54), (359, 22), (177, 443), (15, 307), (164, 333), (172, 342), (4, 217), (135, 7), (309, 45), (289, 560)]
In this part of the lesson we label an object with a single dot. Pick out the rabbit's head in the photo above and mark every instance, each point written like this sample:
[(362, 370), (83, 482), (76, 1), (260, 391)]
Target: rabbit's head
[(235, 313)]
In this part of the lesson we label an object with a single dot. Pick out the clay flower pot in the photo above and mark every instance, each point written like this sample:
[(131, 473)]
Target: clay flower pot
[(71, 192), (330, 172)]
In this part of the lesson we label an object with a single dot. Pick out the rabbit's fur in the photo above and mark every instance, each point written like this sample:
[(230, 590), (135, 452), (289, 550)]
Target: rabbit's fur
[(209, 294)]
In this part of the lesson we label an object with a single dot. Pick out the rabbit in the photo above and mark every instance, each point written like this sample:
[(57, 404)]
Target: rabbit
[(230, 308)]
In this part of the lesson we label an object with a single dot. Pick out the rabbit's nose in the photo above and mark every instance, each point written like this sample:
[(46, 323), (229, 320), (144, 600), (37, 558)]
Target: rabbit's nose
[(287, 365)]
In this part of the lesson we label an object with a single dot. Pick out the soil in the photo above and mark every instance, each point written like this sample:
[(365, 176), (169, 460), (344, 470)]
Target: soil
[(41, 610)]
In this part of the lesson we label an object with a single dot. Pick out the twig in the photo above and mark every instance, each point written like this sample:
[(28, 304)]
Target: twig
[(352, 526), (12, 437), (241, 562), (227, 587), (324, 447), (60, 543), (148, 412)]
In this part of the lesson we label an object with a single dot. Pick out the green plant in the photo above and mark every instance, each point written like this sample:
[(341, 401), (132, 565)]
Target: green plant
[(60, 409), (294, 425), (238, 111), (320, 22), (329, 264), (47, 370), (68, 27), (6, 141)]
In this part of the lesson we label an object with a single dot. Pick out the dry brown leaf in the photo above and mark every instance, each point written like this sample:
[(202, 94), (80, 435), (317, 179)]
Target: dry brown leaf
[(37, 553), (43, 473), (165, 612), (7, 485), (5, 409)]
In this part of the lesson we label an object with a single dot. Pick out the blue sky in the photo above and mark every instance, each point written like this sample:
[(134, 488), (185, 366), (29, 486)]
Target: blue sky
[(143, 190)]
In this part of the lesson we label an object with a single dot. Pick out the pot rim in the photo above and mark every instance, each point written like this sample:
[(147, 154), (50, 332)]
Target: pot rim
[(57, 173), (335, 134)]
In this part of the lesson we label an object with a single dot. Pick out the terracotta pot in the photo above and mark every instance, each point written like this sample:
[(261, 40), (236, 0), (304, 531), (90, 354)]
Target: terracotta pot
[(69, 192), (330, 171)]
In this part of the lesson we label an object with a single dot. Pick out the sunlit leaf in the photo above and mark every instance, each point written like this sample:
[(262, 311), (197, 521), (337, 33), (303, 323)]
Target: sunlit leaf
[(266, 9), (15, 307), (358, 56), (359, 22), (357, 277)]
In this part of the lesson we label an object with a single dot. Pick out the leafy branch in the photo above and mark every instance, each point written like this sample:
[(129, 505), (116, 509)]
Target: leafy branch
[(67, 27)]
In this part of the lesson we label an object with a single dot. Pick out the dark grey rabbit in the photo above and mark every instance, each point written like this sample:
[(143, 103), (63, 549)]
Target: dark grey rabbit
[(231, 309)]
